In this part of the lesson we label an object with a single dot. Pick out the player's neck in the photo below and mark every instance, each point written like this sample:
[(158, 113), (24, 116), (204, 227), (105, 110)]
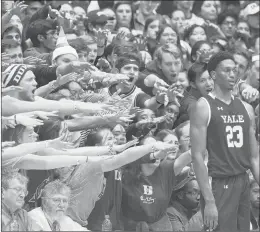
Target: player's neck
[(225, 96)]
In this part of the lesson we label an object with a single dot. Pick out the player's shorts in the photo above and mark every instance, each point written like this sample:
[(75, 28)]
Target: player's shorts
[(232, 197)]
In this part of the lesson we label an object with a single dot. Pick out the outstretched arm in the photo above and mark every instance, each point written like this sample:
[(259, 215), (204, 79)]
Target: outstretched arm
[(35, 162), (198, 134)]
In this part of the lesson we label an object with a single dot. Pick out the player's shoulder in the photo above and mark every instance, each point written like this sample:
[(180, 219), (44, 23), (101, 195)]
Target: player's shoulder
[(202, 104), (201, 112), (249, 109)]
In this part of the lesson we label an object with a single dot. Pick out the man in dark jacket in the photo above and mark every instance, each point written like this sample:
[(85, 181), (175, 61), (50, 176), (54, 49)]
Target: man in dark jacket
[(184, 211)]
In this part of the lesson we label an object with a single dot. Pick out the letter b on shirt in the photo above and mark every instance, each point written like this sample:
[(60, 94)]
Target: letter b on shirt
[(148, 190)]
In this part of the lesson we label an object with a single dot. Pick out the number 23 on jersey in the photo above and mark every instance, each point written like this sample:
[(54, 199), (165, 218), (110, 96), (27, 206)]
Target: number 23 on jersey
[(234, 136)]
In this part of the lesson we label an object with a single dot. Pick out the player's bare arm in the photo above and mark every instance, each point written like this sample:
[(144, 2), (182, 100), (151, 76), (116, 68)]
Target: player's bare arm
[(198, 133), (254, 153)]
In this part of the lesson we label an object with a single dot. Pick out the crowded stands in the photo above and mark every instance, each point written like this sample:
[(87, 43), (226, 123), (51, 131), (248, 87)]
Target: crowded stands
[(130, 115)]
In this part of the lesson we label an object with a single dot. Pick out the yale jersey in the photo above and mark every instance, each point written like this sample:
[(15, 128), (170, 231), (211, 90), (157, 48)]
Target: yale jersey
[(227, 138)]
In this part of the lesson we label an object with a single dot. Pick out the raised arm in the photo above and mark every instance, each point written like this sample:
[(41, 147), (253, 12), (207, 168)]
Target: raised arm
[(198, 134)]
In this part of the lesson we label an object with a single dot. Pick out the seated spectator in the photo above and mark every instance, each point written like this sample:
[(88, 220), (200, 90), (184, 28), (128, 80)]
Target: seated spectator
[(184, 203), (254, 202), (14, 189), (51, 216)]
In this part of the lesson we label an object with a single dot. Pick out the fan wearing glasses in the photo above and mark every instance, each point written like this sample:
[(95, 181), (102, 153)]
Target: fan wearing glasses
[(14, 190), (51, 216), (184, 207)]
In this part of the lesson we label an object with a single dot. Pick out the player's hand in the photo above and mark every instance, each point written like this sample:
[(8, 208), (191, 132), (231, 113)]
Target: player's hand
[(211, 216)]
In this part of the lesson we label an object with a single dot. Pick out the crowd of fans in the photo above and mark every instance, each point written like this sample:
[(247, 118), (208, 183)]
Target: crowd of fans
[(96, 105)]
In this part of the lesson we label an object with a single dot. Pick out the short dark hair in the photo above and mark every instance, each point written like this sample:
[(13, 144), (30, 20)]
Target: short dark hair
[(39, 27), (222, 16), (196, 70), (218, 58)]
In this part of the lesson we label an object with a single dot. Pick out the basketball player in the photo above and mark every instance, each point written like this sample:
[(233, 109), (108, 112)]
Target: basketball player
[(223, 125)]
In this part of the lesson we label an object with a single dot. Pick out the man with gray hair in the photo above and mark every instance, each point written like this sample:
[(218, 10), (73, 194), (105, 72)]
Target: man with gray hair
[(14, 190), (51, 216)]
